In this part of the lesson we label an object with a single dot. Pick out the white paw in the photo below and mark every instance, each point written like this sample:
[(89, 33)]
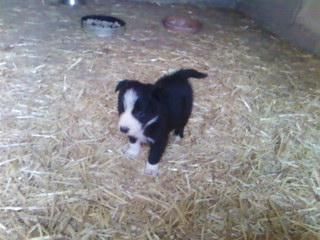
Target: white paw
[(177, 139), (151, 170), (133, 150), (131, 154)]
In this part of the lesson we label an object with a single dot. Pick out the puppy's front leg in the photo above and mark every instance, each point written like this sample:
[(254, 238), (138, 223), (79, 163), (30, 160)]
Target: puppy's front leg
[(155, 154), (134, 148)]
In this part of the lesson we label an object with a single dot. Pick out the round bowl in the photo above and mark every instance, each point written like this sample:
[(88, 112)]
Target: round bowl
[(182, 24), (73, 3), (103, 26)]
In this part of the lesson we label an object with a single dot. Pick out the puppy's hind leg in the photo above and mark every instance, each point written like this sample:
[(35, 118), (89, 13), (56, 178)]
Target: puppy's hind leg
[(178, 132)]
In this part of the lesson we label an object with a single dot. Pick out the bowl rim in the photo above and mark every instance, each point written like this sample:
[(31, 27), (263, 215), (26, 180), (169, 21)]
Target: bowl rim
[(103, 18)]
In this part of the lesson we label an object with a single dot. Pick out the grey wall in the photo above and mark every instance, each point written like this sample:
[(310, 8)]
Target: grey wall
[(215, 3), (297, 21)]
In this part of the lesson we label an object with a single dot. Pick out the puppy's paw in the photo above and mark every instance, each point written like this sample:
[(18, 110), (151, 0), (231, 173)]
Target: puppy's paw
[(133, 151), (151, 170), (177, 139), (131, 155)]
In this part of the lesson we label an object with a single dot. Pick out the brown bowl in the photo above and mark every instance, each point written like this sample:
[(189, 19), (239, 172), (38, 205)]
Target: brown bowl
[(182, 24)]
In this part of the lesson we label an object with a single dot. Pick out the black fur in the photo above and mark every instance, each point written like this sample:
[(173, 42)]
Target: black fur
[(170, 98)]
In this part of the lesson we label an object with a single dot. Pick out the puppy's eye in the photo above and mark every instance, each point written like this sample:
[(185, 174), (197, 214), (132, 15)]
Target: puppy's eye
[(139, 114), (137, 106), (138, 110)]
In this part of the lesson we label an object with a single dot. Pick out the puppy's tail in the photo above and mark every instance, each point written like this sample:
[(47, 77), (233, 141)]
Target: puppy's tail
[(189, 73)]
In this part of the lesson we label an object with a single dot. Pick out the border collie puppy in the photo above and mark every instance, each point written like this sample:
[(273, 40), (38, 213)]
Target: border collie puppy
[(149, 112)]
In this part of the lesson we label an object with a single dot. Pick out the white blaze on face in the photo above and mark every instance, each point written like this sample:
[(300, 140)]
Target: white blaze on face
[(127, 120)]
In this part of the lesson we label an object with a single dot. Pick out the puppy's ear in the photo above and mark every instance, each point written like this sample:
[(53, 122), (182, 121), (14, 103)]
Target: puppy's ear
[(121, 85)]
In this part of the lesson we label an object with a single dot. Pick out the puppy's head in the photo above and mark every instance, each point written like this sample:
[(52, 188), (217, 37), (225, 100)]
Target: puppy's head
[(136, 106)]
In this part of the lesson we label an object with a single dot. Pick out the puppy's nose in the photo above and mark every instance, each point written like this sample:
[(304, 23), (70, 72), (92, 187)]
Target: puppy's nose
[(124, 129)]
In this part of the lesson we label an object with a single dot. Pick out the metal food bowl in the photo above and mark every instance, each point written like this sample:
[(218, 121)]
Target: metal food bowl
[(182, 24), (73, 3), (103, 26)]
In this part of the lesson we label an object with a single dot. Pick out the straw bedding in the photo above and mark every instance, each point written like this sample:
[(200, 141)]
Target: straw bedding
[(248, 167)]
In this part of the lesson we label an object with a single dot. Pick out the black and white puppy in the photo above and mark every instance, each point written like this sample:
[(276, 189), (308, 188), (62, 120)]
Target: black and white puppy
[(149, 112)]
